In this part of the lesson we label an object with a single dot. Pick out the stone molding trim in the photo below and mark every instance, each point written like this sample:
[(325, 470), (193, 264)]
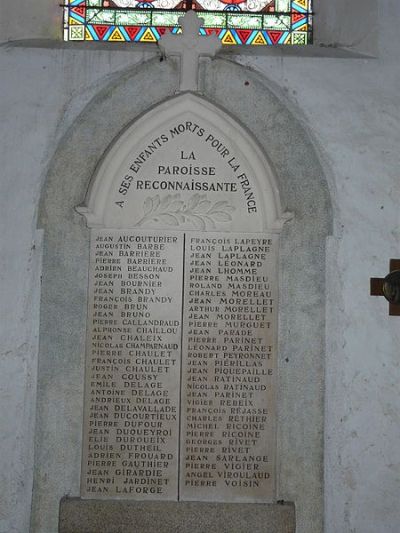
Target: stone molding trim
[(94, 516)]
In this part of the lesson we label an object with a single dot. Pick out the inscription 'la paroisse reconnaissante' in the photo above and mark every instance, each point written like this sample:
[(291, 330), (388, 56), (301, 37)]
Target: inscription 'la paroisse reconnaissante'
[(186, 160), (179, 397)]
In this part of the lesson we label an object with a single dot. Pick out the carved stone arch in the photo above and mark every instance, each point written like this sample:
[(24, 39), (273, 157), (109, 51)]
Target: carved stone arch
[(101, 210), (298, 176)]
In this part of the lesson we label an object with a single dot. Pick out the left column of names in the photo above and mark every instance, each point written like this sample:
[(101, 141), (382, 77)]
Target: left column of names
[(132, 382)]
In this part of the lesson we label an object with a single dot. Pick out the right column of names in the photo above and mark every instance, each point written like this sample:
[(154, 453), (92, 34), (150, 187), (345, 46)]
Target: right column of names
[(228, 368)]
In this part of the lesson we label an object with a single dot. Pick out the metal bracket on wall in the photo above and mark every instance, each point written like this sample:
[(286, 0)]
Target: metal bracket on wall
[(389, 287)]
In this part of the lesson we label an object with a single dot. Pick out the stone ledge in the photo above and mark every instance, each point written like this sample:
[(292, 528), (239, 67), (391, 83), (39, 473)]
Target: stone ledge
[(323, 51), (117, 516)]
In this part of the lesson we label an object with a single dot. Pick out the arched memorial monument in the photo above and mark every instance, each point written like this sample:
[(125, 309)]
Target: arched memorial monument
[(182, 326), (185, 188)]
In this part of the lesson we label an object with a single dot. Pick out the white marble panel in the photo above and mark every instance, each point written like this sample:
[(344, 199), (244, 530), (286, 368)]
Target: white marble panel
[(133, 365), (228, 368)]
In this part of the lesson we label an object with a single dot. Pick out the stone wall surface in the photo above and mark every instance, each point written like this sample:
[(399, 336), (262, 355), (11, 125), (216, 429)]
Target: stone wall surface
[(350, 108)]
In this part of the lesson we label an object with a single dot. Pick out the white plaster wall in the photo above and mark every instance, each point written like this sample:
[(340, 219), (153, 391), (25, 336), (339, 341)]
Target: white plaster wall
[(351, 108), (37, 86)]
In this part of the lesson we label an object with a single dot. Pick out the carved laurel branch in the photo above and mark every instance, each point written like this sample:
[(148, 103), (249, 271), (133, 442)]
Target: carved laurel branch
[(198, 211)]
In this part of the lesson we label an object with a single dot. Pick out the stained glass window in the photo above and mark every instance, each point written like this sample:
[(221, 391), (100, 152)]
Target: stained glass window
[(253, 22)]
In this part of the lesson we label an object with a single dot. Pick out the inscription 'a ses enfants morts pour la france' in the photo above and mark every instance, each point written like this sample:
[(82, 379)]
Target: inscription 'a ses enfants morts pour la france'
[(207, 165), (179, 396)]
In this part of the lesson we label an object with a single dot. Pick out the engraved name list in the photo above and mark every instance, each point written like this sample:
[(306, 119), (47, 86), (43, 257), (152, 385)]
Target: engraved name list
[(180, 375)]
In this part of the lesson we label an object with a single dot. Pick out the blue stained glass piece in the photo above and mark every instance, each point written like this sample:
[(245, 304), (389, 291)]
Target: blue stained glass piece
[(232, 7)]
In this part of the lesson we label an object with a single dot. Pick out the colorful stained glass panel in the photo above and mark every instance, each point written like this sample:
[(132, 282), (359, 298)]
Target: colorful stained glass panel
[(254, 22)]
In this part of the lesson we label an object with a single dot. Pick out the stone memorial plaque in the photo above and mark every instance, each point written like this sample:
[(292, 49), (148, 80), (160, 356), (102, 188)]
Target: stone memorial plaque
[(131, 426), (228, 368), (180, 366), (181, 346)]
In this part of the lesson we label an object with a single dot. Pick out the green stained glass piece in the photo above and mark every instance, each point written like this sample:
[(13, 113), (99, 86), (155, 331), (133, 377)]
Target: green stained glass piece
[(299, 38), (167, 19), (141, 18), (280, 22), (101, 16), (129, 19), (213, 20), (282, 6), (94, 3), (76, 33), (247, 22)]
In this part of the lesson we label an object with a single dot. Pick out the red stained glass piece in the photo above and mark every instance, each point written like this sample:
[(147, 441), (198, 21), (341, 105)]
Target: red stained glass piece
[(132, 31), (275, 36), (244, 34), (297, 16), (100, 30), (79, 10), (232, 2)]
